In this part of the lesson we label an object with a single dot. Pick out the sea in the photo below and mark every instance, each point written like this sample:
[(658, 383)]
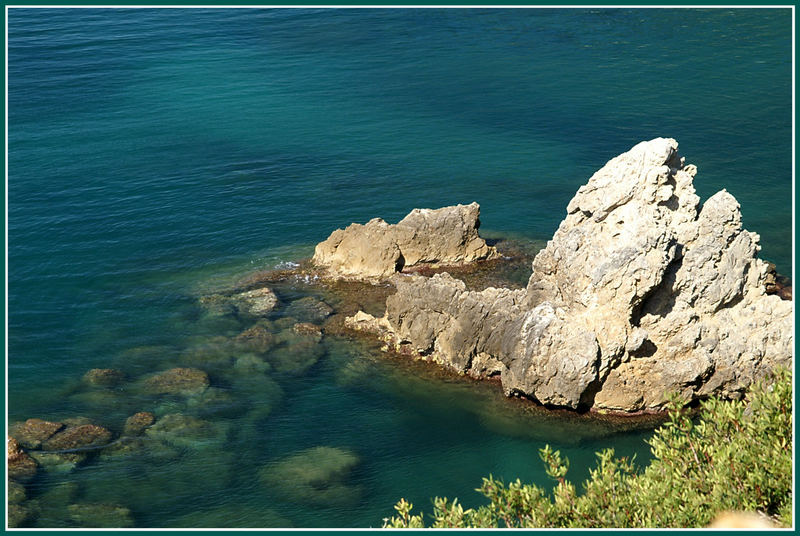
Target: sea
[(156, 156)]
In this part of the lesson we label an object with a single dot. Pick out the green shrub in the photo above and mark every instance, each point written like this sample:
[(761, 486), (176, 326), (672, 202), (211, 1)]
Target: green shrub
[(734, 455)]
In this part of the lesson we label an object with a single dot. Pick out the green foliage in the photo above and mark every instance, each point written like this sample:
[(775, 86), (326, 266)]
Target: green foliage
[(735, 455)]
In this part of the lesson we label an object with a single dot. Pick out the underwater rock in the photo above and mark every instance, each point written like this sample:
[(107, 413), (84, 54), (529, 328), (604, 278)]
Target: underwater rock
[(445, 236), (641, 293), (177, 381), (124, 446), (16, 492), (101, 516), (256, 302), (18, 515), (305, 328), (31, 433), (232, 516), (216, 402), (63, 462), (74, 437), (212, 352), (137, 423), (21, 466), (104, 377), (315, 476), (218, 305), (185, 431), (251, 364), (258, 339), (309, 309), (296, 353)]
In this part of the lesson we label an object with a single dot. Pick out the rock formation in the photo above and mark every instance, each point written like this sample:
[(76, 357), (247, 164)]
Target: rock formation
[(445, 236), (641, 293)]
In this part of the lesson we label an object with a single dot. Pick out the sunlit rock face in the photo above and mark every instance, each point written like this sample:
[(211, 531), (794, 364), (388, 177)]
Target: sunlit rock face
[(641, 293), (375, 250)]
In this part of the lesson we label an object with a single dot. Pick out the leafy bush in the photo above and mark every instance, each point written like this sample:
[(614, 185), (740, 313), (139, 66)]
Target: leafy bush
[(734, 455)]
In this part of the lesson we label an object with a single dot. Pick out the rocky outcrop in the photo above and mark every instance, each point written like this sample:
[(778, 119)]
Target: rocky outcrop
[(445, 236), (641, 293)]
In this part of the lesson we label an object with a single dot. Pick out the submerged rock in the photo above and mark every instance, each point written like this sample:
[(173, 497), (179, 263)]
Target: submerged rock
[(256, 302), (16, 492), (445, 236), (232, 516), (20, 465), (18, 515), (316, 476), (309, 309), (137, 423), (77, 437), (641, 293), (101, 515), (31, 433), (185, 431), (177, 381), (258, 339), (104, 377)]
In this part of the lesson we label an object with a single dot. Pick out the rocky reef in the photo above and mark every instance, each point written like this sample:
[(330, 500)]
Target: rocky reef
[(642, 293), (445, 236)]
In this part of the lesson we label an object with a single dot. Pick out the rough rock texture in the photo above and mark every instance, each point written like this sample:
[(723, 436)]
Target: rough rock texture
[(20, 466), (104, 377), (76, 437), (445, 236), (31, 433), (256, 302), (641, 293), (178, 381), (137, 423)]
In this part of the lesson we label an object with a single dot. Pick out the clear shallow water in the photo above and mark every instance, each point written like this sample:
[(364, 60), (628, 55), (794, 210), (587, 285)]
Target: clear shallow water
[(156, 153)]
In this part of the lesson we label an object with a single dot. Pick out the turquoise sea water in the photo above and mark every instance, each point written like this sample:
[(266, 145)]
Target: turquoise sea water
[(155, 154)]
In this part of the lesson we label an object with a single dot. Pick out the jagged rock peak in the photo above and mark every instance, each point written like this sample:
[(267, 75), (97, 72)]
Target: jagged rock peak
[(445, 236), (641, 293)]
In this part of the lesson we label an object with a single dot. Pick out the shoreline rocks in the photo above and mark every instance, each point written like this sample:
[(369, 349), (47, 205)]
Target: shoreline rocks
[(376, 250), (641, 293)]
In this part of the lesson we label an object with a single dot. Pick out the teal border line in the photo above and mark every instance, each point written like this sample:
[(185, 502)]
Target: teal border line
[(351, 3)]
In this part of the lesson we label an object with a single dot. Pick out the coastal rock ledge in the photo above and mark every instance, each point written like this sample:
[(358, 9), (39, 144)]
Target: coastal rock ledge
[(444, 237), (641, 293)]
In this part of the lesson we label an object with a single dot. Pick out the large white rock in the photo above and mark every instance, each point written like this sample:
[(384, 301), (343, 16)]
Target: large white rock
[(445, 236), (641, 293)]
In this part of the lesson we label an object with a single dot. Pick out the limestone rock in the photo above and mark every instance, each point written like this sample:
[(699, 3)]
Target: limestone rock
[(445, 236), (641, 293), (185, 431), (16, 492)]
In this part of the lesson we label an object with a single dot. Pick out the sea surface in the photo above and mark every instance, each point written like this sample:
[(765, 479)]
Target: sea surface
[(157, 155)]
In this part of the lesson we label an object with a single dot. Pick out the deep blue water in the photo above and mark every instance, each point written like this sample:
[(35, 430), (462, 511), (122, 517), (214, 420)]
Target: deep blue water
[(156, 152)]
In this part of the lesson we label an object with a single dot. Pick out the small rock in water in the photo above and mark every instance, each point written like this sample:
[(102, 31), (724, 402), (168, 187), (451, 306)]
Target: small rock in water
[(137, 423), (177, 381), (251, 364), (18, 515), (101, 516), (32, 432), (309, 309), (64, 462), (218, 305), (256, 339), (305, 328), (258, 302), (16, 492), (316, 476), (184, 431), (20, 465), (104, 377), (86, 435)]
